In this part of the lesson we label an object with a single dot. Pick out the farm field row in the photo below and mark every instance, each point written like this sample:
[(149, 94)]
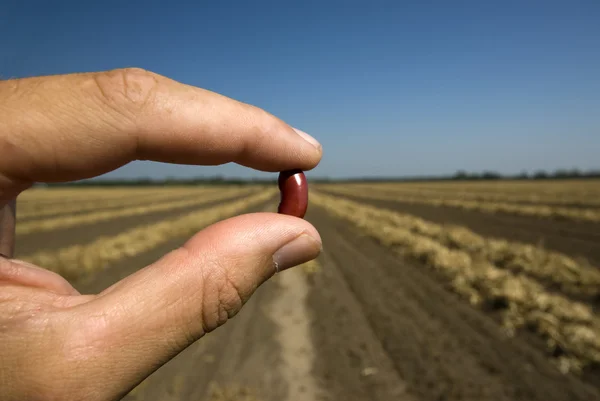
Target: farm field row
[(397, 307), (77, 206), (438, 345), (543, 188), (534, 195), (44, 196), (81, 259), (516, 279), (538, 211), (62, 222), (577, 239)]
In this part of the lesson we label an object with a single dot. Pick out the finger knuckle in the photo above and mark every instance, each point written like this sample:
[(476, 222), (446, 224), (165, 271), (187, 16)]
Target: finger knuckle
[(230, 298), (130, 89), (223, 299)]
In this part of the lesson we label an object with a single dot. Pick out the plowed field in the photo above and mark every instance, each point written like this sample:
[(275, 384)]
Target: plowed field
[(399, 306)]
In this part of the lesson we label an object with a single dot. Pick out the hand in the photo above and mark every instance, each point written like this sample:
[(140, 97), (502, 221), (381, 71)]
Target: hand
[(56, 344)]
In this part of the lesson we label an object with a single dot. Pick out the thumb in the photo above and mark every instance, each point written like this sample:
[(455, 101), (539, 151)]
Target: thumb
[(150, 316)]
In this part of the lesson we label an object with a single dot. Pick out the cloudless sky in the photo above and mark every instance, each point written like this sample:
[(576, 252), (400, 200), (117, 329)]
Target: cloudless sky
[(389, 88)]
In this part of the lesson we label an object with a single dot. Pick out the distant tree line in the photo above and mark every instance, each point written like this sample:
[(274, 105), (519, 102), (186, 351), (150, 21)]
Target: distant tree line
[(559, 174), (170, 181), (461, 175)]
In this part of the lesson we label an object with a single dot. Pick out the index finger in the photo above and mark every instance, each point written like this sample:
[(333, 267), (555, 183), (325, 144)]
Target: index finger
[(76, 126)]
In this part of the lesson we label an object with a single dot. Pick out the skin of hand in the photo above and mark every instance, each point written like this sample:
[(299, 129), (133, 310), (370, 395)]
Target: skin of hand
[(57, 344)]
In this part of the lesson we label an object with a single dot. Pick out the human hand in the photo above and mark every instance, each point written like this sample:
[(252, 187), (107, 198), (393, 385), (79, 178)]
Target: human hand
[(56, 344)]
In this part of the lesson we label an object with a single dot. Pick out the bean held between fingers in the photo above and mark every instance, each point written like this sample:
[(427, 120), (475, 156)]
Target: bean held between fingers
[(294, 193)]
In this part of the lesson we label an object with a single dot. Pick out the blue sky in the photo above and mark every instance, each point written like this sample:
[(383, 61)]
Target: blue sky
[(389, 88)]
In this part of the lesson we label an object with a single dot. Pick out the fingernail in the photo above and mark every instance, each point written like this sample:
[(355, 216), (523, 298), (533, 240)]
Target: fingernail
[(298, 251), (308, 138)]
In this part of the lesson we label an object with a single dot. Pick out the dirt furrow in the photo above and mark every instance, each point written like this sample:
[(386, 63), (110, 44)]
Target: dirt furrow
[(441, 346), (352, 363), (56, 239), (577, 239), (74, 209)]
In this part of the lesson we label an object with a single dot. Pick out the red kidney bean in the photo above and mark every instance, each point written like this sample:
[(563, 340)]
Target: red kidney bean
[(294, 193)]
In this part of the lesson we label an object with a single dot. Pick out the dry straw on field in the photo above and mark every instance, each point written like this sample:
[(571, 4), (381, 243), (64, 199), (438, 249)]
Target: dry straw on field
[(311, 267), (78, 260), (231, 392), (103, 215), (68, 206), (589, 188), (538, 211), (34, 196), (457, 191), (471, 265)]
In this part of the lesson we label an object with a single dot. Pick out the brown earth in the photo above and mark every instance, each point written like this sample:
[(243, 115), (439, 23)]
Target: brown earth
[(86, 233), (577, 239), (368, 326), (457, 194), (442, 347), (139, 202)]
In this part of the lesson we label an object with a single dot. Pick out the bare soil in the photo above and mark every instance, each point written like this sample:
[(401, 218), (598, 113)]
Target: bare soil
[(577, 239), (140, 202), (442, 347), (368, 326), (84, 234)]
